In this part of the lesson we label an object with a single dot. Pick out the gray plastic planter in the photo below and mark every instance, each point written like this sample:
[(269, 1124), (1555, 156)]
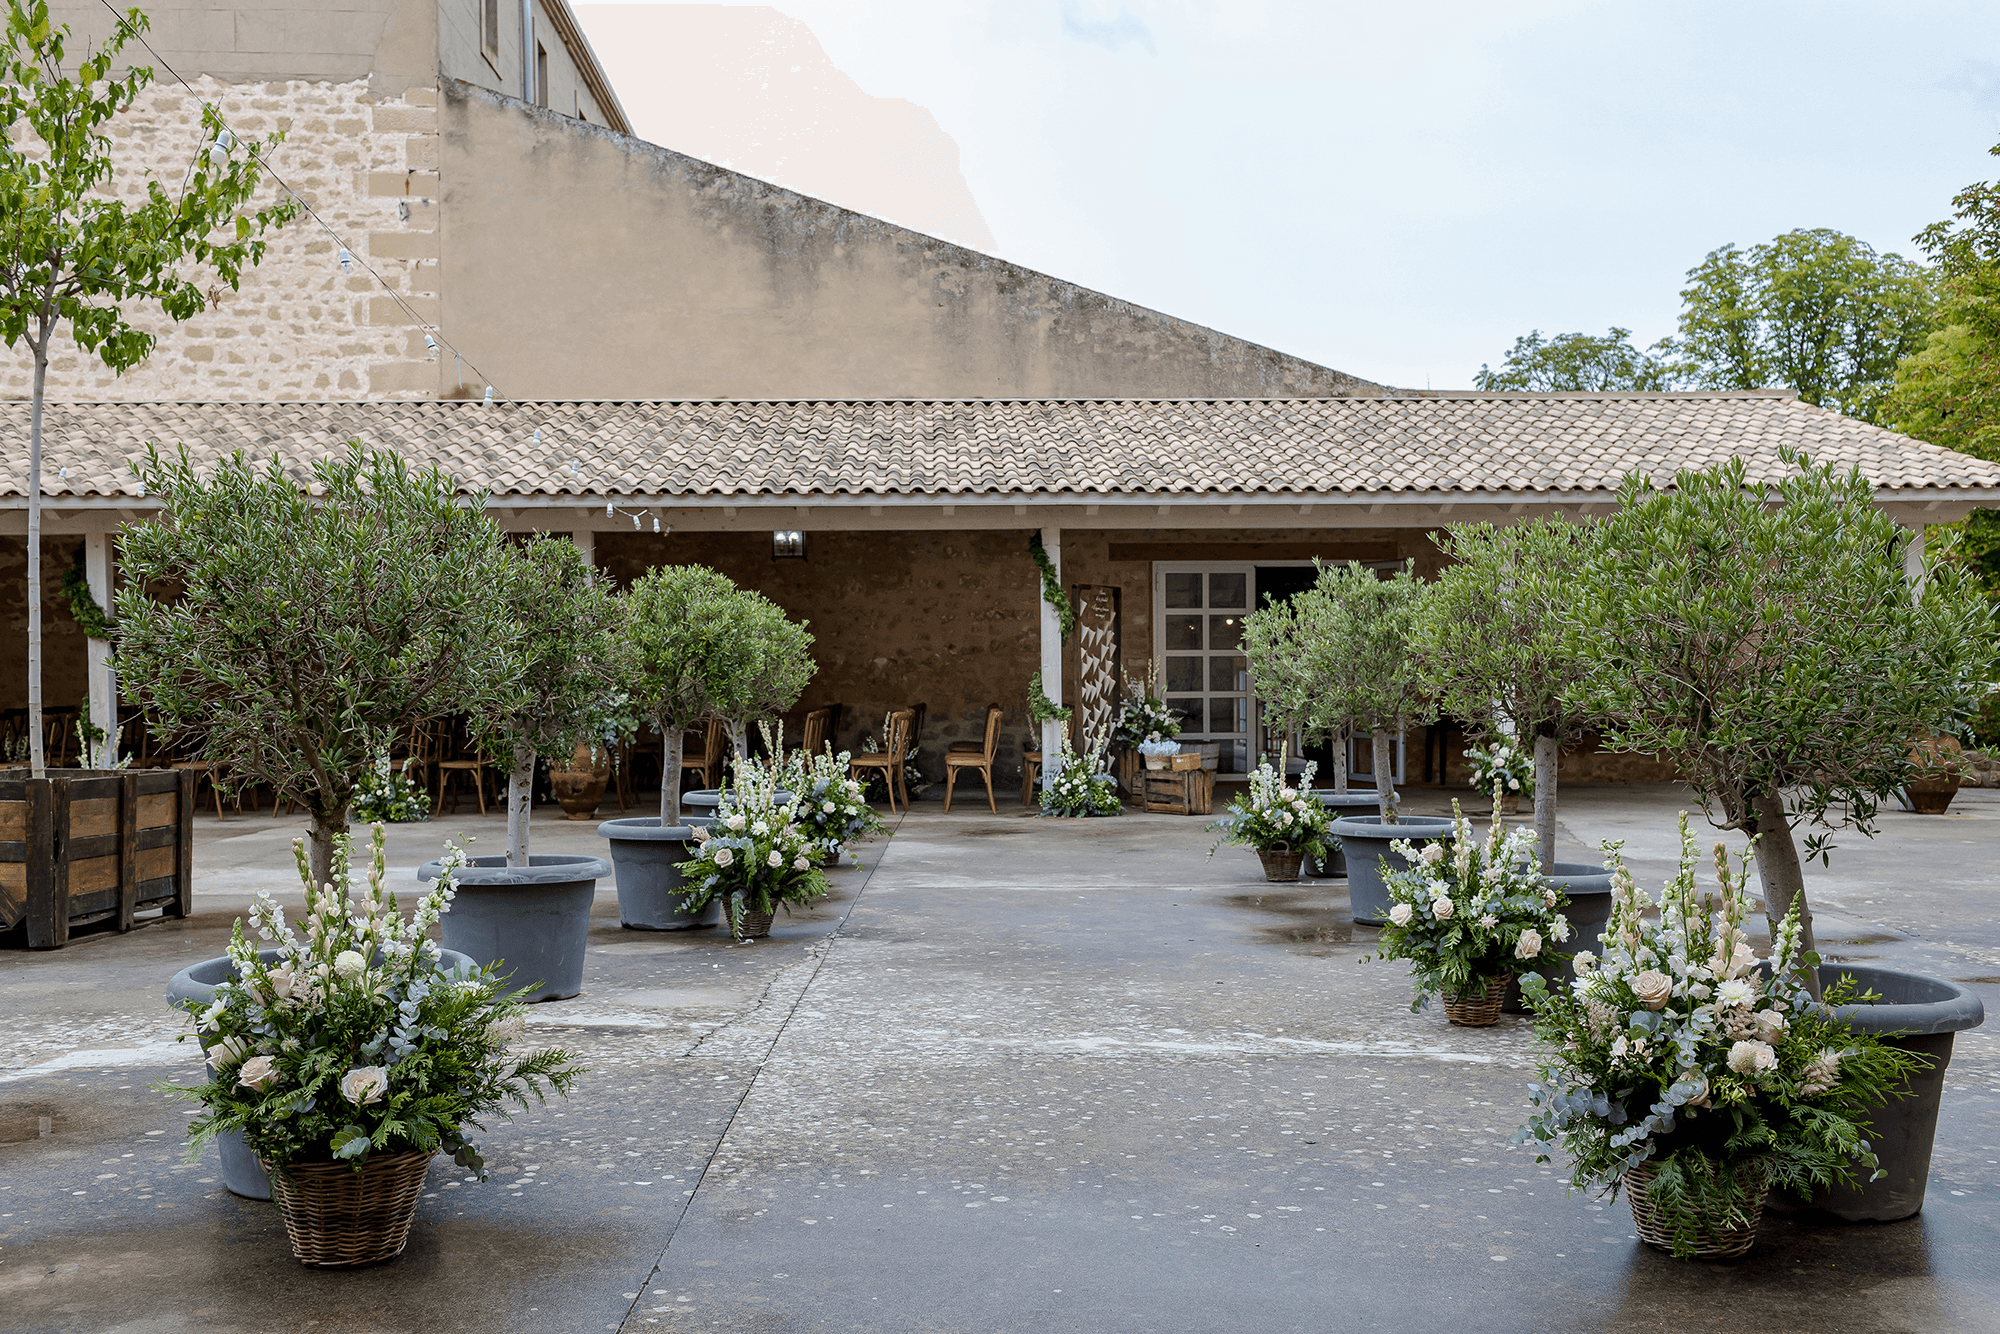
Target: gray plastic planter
[(706, 799), (646, 857), (1351, 802), (532, 920), (1589, 890), (1918, 1014), (1365, 840), (241, 1172)]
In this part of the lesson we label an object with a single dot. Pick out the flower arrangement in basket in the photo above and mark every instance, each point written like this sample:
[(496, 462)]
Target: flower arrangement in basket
[(755, 857), (347, 1059), (1080, 786), (1502, 765), (1695, 1076), (1284, 825), (828, 805), (1158, 750), (1468, 915), (387, 793)]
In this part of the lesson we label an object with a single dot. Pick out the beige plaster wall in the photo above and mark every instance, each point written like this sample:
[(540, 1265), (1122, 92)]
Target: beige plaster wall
[(676, 278), (462, 55), (299, 327)]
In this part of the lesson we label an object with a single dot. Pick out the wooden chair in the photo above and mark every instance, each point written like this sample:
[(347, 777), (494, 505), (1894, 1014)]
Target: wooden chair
[(889, 760), (205, 773), (1031, 769), (713, 746), (819, 723), (461, 758), (980, 759)]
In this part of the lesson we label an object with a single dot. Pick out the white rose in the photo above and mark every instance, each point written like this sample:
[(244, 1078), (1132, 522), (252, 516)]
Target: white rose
[(349, 963), (760, 828), (800, 863), (1529, 944), (1653, 988), (1583, 962), (1769, 1025), (1401, 914), (259, 1072), (723, 856), (1442, 909), (735, 822), (1752, 1058), (776, 858), (228, 1052), (364, 1085), (1433, 853), (826, 807)]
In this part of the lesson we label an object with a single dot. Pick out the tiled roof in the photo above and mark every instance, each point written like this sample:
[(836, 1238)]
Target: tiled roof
[(1469, 444)]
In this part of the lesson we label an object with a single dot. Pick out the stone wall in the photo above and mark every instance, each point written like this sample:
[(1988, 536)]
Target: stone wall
[(65, 648), (299, 328)]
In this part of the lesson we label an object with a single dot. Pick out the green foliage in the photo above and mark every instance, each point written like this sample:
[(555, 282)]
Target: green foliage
[(560, 652), (676, 622), (1053, 592), (1489, 638), (756, 855), (1354, 630), (1683, 1050), (1815, 310), (1287, 672), (1469, 911), (766, 662), (83, 608), (352, 1041), (1080, 787), (1576, 363), (306, 626), (1949, 392), (1765, 640), (1040, 707), (1269, 815)]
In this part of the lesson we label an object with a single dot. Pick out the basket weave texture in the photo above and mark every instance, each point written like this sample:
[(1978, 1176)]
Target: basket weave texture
[(1281, 867), (1656, 1226), (752, 925), (335, 1215), (1481, 1011)]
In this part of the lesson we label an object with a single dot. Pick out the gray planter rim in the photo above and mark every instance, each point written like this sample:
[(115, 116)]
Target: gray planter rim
[(1935, 1004), (542, 869), (187, 986), (1333, 799), (1372, 826), (645, 829)]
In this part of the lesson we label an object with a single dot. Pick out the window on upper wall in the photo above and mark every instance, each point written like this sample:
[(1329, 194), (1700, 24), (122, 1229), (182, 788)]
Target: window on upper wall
[(541, 75), (489, 27)]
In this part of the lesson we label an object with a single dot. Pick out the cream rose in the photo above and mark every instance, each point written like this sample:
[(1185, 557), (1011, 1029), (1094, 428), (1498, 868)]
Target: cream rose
[(1442, 909), (1769, 1025), (776, 859), (1433, 853), (1529, 944), (364, 1085), (799, 863), (1401, 914), (724, 856), (1752, 1058), (826, 808), (736, 822), (259, 1072), (228, 1052), (1653, 988), (349, 963)]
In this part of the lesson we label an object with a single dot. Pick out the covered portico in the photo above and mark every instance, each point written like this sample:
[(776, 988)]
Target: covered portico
[(901, 530)]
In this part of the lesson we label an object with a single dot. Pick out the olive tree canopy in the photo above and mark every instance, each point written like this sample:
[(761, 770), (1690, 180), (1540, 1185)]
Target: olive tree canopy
[(1355, 631), (676, 626), (770, 662)]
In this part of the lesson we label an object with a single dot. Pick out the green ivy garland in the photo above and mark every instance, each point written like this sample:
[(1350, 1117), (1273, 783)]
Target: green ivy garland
[(1052, 589), (83, 607), (1040, 707)]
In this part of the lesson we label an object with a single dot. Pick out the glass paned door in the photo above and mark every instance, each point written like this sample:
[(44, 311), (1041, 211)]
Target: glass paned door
[(1199, 611)]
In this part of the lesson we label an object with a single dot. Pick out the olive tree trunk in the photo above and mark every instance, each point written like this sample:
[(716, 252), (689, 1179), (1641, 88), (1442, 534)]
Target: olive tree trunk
[(670, 774), (1385, 779), (1546, 752), (1339, 737), (1781, 874), (38, 759), (520, 805), (327, 826)]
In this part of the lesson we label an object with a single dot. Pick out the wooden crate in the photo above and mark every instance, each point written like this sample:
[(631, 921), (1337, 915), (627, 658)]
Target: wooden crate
[(1180, 792), (89, 845)]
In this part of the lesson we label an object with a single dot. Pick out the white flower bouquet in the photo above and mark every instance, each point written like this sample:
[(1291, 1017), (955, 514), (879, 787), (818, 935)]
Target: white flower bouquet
[(1682, 1065), (350, 1042), (1468, 914), (1271, 816), (828, 805), (1144, 716), (1081, 787), (1503, 765), (755, 856)]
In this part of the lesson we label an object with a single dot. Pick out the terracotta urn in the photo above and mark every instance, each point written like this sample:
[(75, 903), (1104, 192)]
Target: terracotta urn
[(580, 786), (1935, 782)]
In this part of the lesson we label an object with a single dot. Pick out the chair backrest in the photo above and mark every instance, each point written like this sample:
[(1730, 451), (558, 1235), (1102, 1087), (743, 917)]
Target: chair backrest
[(901, 724), (817, 723), (993, 712)]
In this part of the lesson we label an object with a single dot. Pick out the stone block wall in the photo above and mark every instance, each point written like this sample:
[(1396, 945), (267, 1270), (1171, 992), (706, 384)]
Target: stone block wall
[(65, 648), (299, 327)]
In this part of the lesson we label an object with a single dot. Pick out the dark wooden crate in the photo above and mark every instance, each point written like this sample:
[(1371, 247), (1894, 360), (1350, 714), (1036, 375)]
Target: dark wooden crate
[(90, 845), (1182, 792)]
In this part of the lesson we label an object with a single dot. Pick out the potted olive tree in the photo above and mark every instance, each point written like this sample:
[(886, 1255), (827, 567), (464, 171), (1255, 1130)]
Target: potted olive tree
[(1358, 630), (1767, 641), (768, 663), (676, 627), (532, 914)]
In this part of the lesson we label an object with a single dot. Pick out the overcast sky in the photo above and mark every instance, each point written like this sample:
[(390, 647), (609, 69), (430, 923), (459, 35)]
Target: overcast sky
[(1399, 189)]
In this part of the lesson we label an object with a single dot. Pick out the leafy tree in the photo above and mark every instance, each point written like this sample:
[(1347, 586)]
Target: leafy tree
[(559, 662), (677, 624), (1766, 640), (73, 253), (1357, 632), (1305, 691), (1576, 363), (770, 662), (308, 626), (1491, 639), (1815, 310)]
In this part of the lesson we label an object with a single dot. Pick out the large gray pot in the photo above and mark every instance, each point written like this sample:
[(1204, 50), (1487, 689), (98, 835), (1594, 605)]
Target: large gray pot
[(1354, 800), (646, 857), (1918, 1014), (1589, 890), (533, 920), (241, 1172), (706, 799), (1365, 840)]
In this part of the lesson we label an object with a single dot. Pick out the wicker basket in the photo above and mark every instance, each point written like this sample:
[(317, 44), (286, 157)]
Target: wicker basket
[(1478, 1011), (335, 1215), (1656, 1226), (1281, 867), (751, 925)]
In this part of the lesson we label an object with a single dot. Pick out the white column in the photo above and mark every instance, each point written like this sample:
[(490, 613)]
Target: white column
[(586, 542), (1052, 659), (1913, 561), (103, 678)]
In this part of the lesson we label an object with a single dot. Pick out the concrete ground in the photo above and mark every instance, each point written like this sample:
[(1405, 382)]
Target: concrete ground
[(1015, 1074)]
